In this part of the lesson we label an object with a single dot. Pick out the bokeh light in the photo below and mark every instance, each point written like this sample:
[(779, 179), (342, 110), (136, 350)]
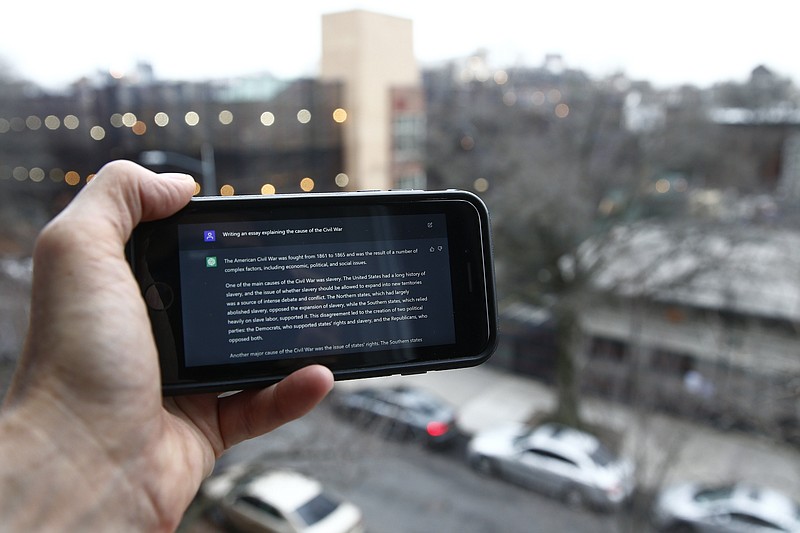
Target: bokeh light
[(33, 122), (562, 110), (161, 119), (56, 175), (342, 179), (339, 115), (307, 184), (72, 178), (129, 119), (139, 128), (304, 116), (5, 125), (36, 174), (116, 120), (267, 189), (192, 118), (501, 77), (481, 185), (20, 173), (267, 118), (197, 188), (225, 117), (227, 190), (52, 122), (97, 133), (71, 122)]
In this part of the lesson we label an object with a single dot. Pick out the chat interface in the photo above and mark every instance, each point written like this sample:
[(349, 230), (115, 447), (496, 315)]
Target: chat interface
[(255, 291)]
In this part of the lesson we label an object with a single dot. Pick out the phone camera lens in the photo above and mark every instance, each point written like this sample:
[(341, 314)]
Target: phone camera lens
[(158, 296)]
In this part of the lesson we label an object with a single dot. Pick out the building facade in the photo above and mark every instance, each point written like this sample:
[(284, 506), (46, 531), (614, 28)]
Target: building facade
[(699, 323), (372, 57)]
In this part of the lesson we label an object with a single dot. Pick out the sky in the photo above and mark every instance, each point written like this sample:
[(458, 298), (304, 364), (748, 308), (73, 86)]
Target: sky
[(682, 41)]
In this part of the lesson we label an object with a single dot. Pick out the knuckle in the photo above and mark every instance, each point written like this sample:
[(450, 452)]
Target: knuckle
[(119, 168), (54, 240)]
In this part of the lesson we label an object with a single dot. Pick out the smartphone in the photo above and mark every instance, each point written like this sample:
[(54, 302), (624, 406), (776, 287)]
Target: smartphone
[(242, 291)]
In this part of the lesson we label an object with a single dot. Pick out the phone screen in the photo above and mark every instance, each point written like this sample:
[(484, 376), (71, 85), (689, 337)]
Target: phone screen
[(261, 290)]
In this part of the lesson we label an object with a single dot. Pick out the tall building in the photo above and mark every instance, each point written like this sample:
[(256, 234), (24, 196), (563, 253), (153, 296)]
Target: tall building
[(372, 56)]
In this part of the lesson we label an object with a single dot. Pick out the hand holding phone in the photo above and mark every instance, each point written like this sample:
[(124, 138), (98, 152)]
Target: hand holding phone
[(243, 290)]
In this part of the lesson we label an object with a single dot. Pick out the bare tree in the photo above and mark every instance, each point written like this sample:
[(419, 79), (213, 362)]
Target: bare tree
[(549, 150)]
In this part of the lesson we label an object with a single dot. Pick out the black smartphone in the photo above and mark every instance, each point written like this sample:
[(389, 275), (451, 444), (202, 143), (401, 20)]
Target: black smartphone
[(242, 291)]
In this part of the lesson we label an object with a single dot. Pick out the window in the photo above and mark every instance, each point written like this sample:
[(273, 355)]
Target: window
[(260, 505), (552, 455), (750, 520), (602, 456), (408, 132), (316, 509), (714, 494)]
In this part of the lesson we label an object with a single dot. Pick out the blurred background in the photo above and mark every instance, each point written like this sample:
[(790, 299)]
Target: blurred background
[(642, 168)]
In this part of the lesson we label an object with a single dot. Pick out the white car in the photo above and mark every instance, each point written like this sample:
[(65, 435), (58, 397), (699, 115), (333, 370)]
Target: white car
[(557, 460), (692, 507), (279, 501)]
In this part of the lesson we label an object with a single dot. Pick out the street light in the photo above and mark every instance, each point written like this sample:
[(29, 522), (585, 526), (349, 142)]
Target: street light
[(204, 166)]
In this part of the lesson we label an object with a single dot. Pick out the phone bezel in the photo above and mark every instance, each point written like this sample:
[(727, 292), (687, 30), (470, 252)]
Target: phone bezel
[(469, 242)]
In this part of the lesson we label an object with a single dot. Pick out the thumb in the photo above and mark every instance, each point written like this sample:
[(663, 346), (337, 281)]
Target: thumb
[(122, 194)]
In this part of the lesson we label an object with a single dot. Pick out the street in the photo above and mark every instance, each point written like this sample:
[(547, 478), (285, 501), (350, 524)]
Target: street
[(403, 486)]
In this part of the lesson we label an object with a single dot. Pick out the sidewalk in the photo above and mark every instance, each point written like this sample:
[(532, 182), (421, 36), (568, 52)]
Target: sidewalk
[(663, 447)]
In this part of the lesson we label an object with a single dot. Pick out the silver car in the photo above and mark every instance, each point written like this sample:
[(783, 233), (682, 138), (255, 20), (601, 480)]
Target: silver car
[(732, 508), (555, 459), (256, 499)]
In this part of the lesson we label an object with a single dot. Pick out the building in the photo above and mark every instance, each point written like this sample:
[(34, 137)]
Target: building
[(372, 56), (697, 321)]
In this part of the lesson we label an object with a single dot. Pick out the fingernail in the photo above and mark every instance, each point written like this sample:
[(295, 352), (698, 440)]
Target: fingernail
[(177, 176)]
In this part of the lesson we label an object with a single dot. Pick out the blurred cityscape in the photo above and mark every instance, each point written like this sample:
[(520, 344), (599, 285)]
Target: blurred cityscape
[(647, 240)]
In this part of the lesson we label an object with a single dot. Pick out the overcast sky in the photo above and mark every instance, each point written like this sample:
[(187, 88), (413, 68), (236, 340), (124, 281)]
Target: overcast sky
[(681, 41)]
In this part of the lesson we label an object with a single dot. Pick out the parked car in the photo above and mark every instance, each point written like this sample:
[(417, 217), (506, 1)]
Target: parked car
[(403, 412), (254, 499), (692, 507), (557, 460)]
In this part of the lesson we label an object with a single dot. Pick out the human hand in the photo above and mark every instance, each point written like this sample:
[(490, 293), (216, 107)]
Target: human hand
[(86, 439)]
